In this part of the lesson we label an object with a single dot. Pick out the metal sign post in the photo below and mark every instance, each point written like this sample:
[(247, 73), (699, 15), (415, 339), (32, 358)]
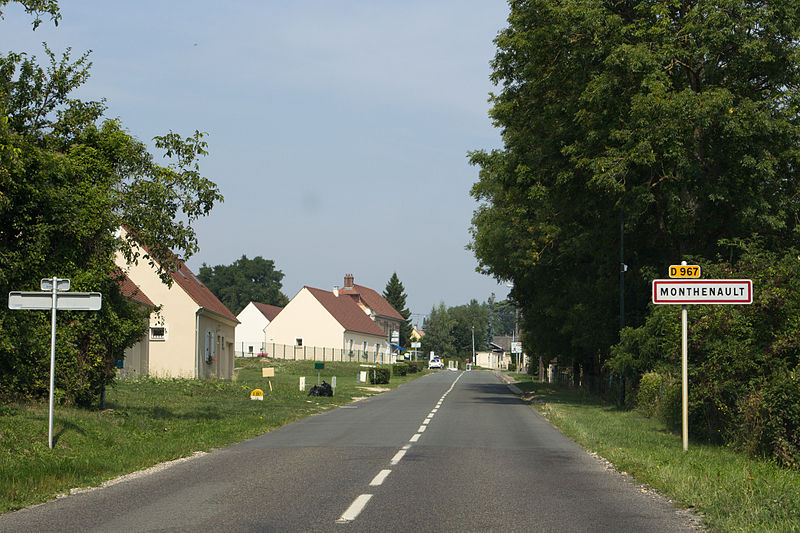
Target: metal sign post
[(54, 300), (696, 291)]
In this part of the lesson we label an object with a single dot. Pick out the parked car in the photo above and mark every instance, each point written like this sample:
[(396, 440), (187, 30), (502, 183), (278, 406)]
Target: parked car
[(436, 362)]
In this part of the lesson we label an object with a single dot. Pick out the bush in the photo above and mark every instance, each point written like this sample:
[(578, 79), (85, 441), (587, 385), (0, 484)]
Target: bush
[(419, 366), (378, 376), (771, 419), (670, 402), (649, 389), (400, 369), (660, 396)]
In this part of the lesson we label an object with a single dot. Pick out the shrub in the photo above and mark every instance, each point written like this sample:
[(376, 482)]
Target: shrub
[(378, 376), (670, 402), (412, 367), (649, 389), (771, 419), (400, 369)]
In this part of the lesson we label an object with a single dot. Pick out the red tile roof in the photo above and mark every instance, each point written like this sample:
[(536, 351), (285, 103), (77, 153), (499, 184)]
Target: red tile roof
[(375, 301), (269, 311), (198, 292), (347, 312), (131, 290)]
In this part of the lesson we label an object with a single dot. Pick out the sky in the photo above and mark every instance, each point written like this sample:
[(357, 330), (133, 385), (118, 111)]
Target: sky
[(338, 132)]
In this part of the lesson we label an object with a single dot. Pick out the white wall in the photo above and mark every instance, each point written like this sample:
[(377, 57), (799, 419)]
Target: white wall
[(305, 318), (251, 330)]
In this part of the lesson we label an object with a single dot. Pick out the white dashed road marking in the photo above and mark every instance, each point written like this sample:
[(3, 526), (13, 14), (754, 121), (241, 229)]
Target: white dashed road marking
[(358, 505), (355, 508), (396, 459), (378, 480)]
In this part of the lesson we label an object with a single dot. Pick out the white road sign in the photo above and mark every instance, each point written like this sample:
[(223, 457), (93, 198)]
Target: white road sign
[(702, 291), (516, 347), (65, 301)]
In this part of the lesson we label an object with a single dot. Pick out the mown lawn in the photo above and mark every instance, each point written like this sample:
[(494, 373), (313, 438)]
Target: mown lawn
[(149, 421), (731, 491)]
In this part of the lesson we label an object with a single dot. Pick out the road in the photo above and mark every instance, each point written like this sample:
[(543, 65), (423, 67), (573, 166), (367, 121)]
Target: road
[(452, 451)]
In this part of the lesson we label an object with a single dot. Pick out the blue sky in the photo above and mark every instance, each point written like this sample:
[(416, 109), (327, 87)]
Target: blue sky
[(338, 131)]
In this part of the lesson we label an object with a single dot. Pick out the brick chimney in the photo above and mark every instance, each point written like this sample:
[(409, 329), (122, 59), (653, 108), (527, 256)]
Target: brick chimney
[(348, 281)]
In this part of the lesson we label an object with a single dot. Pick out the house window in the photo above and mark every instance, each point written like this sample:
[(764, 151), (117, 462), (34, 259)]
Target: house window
[(158, 333), (209, 352), (298, 342)]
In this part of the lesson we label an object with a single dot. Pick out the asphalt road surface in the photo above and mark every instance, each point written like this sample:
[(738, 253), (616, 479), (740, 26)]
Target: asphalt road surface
[(452, 451)]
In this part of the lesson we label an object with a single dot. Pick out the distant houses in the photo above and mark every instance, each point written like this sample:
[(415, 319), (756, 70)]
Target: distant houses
[(356, 321), (191, 334)]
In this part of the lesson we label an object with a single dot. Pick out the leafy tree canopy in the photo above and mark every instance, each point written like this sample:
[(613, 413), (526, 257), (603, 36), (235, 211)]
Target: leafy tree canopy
[(244, 281), (676, 119), (69, 179), (438, 332), (37, 8)]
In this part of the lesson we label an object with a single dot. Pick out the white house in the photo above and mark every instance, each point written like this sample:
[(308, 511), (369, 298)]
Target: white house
[(319, 318), (250, 331)]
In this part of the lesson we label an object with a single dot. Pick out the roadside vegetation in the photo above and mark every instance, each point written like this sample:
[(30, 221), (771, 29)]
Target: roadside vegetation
[(150, 421), (730, 490), (637, 135)]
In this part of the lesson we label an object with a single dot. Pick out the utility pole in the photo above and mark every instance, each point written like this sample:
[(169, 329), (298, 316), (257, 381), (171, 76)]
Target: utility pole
[(473, 346)]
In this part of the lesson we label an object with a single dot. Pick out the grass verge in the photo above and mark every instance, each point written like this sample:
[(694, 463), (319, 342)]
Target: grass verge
[(154, 420), (731, 491)]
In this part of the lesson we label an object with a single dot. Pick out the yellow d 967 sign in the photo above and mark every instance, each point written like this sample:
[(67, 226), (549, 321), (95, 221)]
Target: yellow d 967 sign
[(684, 271)]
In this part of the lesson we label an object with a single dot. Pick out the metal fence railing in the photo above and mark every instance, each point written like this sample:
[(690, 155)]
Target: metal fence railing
[(314, 353)]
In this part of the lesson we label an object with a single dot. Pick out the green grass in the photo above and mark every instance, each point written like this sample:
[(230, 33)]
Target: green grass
[(731, 491), (154, 420)]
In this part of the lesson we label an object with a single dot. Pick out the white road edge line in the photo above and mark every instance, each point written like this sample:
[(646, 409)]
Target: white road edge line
[(379, 479), (355, 508), (426, 421), (415, 438), (406, 447), (422, 428)]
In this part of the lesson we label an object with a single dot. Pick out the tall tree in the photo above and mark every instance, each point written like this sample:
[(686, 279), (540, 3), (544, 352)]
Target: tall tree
[(501, 317), (244, 281), (396, 296), (69, 179), (438, 332), (675, 120), (468, 321)]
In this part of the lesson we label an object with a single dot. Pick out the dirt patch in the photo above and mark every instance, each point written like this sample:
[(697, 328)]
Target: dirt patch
[(374, 389)]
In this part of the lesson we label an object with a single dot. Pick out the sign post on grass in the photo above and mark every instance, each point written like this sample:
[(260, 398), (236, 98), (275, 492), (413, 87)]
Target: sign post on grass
[(318, 367), (56, 298), (268, 372), (684, 289)]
